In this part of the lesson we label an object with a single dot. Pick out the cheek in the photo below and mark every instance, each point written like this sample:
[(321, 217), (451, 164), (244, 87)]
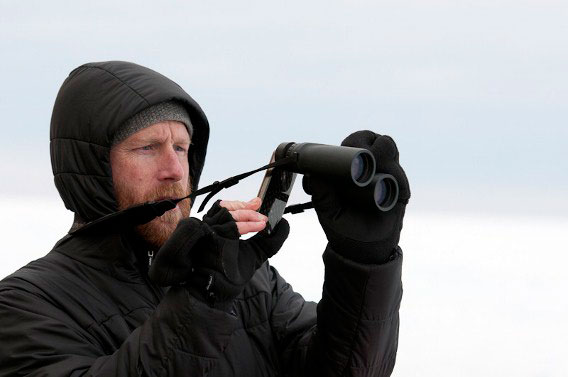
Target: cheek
[(131, 180), (186, 170)]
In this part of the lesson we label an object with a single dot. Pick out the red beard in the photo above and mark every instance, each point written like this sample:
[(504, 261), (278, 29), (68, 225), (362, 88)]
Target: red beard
[(157, 231)]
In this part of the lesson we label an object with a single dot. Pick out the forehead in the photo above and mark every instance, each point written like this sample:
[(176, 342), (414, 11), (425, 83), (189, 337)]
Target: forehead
[(161, 131)]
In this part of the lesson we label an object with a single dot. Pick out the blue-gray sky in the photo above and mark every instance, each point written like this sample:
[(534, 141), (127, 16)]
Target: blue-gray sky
[(474, 92)]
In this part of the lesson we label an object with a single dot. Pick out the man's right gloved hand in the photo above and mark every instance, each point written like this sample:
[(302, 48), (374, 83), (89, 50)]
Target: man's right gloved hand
[(210, 259), (362, 233)]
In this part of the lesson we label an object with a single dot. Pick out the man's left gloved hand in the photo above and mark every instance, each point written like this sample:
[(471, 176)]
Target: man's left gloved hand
[(209, 258), (362, 234)]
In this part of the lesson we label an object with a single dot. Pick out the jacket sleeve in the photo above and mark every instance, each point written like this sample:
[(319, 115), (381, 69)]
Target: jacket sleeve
[(355, 331), (38, 339)]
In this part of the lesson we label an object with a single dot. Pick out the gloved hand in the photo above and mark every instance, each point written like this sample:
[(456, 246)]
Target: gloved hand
[(210, 259), (361, 233)]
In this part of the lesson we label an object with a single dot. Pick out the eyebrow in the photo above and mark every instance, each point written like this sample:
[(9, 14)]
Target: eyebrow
[(184, 141), (148, 140), (159, 140)]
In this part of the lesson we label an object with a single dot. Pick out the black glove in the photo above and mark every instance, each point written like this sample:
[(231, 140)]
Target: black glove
[(210, 259), (361, 233)]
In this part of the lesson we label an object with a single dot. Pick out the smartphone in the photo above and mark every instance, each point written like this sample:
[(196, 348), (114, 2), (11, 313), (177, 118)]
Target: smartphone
[(274, 191)]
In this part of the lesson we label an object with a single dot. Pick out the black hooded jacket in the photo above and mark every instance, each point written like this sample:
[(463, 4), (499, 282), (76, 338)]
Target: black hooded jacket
[(88, 309)]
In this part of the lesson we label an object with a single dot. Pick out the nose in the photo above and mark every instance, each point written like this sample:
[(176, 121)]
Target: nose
[(171, 168)]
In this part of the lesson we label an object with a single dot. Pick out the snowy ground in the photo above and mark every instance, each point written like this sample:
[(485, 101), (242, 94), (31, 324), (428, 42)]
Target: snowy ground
[(483, 295)]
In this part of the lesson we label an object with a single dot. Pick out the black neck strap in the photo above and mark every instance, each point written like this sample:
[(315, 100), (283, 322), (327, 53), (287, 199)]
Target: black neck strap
[(214, 188), (146, 212)]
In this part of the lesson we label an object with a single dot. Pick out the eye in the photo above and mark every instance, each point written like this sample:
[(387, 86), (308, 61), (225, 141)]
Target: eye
[(145, 148), (148, 147), (180, 149)]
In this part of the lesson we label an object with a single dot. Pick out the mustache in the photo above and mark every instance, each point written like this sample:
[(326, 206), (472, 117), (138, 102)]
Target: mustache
[(166, 192)]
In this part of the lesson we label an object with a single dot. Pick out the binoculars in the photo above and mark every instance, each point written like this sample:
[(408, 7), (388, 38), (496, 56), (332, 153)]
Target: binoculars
[(352, 168)]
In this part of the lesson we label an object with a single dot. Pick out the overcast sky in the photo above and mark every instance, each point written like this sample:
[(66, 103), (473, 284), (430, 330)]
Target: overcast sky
[(474, 92)]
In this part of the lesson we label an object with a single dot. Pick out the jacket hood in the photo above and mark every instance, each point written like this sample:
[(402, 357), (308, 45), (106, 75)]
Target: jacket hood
[(93, 102)]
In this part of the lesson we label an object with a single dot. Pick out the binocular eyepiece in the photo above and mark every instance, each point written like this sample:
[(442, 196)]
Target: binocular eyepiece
[(352, 168)]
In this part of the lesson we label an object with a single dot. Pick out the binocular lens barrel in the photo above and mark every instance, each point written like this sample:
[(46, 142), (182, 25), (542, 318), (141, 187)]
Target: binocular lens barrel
[(355, 164), (362, 166), (345, 165), (385, 191), (380, 192), (357, 168)]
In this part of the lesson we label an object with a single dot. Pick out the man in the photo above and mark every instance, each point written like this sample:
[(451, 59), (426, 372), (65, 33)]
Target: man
[(179, 296)]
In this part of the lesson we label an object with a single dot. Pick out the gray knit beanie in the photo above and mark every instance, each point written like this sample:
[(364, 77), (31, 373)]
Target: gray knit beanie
[(170, 110)]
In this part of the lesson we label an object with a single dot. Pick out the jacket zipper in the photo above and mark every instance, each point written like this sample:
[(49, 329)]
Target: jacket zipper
[(150, 257)]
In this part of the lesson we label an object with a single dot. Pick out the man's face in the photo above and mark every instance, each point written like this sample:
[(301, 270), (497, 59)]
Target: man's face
[(150, 165)]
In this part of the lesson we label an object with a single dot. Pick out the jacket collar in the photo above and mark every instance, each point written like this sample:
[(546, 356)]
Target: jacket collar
[(122, 255)]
